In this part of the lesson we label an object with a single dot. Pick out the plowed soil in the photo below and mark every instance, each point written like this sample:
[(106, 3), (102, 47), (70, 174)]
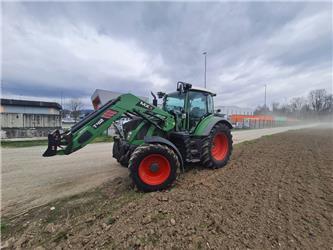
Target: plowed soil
[(277, 192)]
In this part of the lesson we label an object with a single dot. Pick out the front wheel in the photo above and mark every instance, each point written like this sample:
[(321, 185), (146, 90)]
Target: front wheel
[(119, 152), (153, 167), (217, 147)]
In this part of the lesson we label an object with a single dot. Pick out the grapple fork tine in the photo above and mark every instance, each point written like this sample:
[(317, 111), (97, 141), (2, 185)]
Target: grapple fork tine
[(53, 143)]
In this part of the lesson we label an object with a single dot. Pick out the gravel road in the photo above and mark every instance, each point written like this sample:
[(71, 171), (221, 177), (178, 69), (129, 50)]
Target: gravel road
[(29, 180)]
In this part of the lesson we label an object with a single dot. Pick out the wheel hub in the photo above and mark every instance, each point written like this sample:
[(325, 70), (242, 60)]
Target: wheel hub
[(220, 147), (154, 167)]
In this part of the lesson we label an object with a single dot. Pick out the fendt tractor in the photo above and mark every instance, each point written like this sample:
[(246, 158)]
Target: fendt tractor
[(156, 142)]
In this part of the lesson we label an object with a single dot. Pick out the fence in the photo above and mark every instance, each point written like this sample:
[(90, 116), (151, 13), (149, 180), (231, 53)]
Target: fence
[(261, 121)]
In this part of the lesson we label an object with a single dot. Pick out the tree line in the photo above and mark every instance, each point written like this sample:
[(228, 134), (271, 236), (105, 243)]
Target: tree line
[(318, 104), (72, 109)]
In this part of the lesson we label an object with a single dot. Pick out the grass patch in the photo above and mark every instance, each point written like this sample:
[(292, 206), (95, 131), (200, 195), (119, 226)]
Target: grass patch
[(4, 227), (110, 220), (62, 235), (21, 144), (32, 143), (53, 216)]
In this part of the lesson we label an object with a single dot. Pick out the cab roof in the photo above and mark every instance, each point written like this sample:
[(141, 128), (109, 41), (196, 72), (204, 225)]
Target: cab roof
[(202, 90)]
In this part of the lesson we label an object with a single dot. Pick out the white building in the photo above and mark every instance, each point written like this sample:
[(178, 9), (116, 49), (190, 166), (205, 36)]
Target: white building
[(101, 96), (23, 118), (234, 110)]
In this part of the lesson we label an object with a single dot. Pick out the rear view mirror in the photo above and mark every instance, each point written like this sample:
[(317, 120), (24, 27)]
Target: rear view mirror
[(160, 94)]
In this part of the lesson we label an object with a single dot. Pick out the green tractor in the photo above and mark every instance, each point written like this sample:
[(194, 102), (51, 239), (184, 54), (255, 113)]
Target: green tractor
[(155, 142)]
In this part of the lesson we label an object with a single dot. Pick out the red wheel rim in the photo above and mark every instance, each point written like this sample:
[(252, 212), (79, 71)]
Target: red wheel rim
[(220, 146), (154, 169)]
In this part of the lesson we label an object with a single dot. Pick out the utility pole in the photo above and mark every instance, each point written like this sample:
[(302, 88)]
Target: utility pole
[(62, 108), (61, 98), (265, 96), (205, 54)]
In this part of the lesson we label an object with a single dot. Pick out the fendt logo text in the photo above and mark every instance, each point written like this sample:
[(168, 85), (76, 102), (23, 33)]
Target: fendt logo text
[(145, 105)]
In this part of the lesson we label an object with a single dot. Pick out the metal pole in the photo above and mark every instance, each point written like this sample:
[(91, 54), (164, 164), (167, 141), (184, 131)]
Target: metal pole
[(205, 53), (265, 96)]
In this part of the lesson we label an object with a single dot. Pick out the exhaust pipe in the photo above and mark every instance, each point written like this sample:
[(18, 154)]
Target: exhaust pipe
[(54, 139)]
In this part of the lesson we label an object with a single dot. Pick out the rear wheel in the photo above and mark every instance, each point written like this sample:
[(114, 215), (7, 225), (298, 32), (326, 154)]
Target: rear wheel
[(217, 147), (153, 167)]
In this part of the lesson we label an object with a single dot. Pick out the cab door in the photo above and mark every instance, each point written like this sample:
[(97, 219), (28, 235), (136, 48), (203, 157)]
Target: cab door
[(200, 105)]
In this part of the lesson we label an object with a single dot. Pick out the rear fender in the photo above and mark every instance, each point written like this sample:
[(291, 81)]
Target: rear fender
[(206, 125), (161, 140)]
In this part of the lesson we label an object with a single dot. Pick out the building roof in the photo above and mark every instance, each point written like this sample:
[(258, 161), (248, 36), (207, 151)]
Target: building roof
[(102, 96), (105, 93), (26, 103)]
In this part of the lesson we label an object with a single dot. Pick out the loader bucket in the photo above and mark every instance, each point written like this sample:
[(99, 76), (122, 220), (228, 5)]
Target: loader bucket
[(53, 143)]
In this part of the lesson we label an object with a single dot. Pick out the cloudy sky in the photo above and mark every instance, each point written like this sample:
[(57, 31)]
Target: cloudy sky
[(70, 49)]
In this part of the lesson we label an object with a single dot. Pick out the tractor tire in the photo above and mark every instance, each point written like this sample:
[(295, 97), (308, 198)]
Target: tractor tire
[(153, 167), (118, 155), (217, 147)]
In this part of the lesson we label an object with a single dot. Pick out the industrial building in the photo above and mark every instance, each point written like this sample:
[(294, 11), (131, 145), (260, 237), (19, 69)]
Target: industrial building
[(234, 110), (22, 118)]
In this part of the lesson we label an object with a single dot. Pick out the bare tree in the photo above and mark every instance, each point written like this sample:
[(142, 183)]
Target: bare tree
[(286, 109), (261, 110), (328, 105), (296, 105), (75, 106), (317, 99), (318, 104)]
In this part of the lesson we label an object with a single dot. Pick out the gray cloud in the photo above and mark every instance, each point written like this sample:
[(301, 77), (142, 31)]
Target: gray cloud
[(74, 48)]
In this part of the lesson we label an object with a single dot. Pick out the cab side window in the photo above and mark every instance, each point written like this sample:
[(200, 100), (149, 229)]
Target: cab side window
[(210, 104), (197, 104)]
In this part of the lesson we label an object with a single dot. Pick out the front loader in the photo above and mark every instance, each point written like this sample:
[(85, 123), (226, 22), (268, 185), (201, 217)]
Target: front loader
[(156, 142)]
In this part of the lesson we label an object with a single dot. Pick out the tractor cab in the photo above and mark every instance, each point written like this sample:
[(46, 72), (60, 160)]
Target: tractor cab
[(189, 105)]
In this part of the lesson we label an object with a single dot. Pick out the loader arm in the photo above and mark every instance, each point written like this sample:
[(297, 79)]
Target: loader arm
[(100, 120)]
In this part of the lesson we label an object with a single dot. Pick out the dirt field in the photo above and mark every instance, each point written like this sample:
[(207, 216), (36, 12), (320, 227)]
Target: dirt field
[(29, 180), (277, 192)]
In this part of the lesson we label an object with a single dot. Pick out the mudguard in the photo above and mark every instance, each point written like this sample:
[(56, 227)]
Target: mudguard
[(161, 140), (206, 125)]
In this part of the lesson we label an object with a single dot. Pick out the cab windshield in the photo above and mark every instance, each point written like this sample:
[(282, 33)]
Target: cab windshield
[(174, 101)]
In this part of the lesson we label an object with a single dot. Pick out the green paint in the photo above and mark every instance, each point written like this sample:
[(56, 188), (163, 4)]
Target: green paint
[(203, 124), (135, 132), (161, 122), (127, 103), (151, 130)]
